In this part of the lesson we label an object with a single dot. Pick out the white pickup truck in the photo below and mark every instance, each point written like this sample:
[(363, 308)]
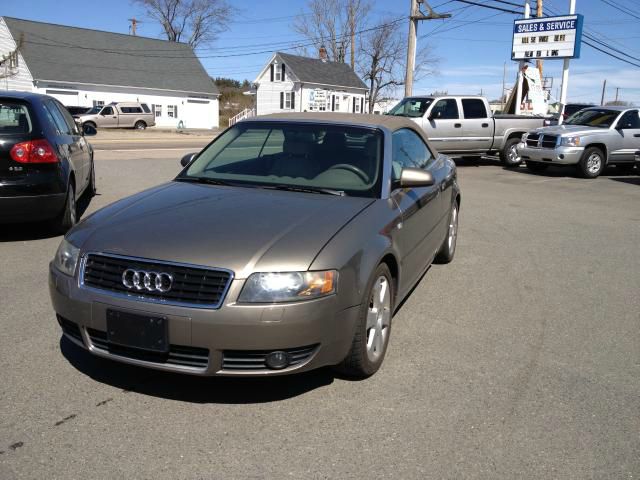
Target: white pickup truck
[(464, 125)]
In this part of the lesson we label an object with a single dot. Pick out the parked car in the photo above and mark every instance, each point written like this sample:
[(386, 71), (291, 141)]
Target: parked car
[(45, 161), (590, 140), (285, 245), (464, 125), (77, 111), (120, 115)]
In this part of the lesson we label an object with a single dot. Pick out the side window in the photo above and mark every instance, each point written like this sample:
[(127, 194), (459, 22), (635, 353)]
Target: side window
[(145, 108), (58, 119), (473, 108), (71, 123), (409, 151), (629, 120), (107, 111), (445, 109)]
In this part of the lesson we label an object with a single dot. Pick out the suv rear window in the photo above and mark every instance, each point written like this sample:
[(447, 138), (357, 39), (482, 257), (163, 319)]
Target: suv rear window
[(14, 118)]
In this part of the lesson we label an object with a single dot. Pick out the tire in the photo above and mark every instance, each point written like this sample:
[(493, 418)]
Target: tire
[(91, 189), (509, 156), (90, 124), (591, 163), (448, 247), (536, 166), (373, 330), (140, 125), (68, 217)]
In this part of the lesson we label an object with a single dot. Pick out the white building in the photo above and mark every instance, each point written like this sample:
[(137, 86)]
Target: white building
[(290, 83), (82, 67)]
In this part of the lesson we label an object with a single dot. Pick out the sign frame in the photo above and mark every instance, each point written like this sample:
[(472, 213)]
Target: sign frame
[(548, 25)]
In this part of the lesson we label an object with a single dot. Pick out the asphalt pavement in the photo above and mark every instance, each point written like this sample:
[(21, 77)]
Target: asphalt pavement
[(521, 359)]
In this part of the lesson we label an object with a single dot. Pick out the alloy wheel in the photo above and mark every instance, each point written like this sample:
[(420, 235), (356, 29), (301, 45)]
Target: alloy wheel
[(378, 318)]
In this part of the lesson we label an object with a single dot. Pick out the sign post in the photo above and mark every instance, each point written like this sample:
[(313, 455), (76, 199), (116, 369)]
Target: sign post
[(565, 73), (527, 13)]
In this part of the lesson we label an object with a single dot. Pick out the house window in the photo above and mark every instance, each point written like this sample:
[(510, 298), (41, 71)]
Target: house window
[(98, 103), (278, 73), (356, 104), (157, 110), (172, 111), (287, 100), (336, 105)]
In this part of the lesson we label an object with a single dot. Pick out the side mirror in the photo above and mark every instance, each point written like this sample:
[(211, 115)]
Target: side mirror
[(415, 177), (186, 160), (88, 130)]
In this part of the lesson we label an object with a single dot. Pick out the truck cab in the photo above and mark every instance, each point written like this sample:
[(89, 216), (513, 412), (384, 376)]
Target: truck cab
[(120, 115)]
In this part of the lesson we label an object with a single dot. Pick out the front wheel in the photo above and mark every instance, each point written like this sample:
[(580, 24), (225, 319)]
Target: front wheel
[(448, 248), (591, 163), (92, 180), (369, 344), (509, 154)]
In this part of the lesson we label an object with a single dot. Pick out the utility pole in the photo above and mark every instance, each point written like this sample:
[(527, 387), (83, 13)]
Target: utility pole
[(134, 24), (527, 14), (604, 87), (415, 16), (502, 96), (539, 14), (352, 27), (617, 88)]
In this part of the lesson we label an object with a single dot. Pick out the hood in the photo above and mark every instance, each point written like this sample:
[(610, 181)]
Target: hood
[(241, 229), (569, 130)]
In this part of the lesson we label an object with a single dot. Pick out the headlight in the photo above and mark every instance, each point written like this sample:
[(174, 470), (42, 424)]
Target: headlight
[(570, 141), (66, 258), (288, 286)]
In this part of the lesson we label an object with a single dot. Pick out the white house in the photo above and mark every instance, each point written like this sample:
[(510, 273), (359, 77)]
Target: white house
[(82, 67), (291, 83)]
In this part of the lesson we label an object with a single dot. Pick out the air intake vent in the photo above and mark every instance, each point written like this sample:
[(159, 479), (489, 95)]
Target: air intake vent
[(256, 359), (190, 285), (70, 328), (178, 354)]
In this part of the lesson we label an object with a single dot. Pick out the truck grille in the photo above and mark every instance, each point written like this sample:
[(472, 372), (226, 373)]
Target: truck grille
[(191, 286), (536, 140)]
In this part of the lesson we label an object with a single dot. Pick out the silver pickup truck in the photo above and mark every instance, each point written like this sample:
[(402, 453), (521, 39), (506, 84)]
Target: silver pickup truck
[(464, 125), (590, 139)]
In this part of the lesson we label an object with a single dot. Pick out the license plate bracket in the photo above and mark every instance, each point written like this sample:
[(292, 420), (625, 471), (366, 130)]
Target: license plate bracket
[(143, 332)]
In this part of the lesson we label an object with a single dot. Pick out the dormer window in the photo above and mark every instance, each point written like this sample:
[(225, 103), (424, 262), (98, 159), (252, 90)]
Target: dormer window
[(277, 72)]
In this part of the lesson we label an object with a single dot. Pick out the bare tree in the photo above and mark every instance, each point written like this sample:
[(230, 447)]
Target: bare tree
[(334, 24), (195, 22), (383, 56)]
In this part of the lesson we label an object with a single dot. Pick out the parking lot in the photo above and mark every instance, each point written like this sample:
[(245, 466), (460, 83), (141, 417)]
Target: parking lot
[(521, 359)]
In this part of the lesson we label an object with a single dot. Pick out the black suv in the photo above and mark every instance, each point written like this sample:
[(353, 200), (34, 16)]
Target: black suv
[(45, 162)]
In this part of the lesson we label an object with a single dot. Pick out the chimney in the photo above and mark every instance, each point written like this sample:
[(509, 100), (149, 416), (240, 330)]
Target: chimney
[(322, 53)]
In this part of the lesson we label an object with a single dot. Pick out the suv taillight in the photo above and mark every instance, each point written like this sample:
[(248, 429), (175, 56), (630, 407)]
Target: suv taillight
[(34, 151)]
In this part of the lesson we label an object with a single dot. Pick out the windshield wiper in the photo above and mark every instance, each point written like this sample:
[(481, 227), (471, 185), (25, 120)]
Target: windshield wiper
[(209, 181), (297, 188)]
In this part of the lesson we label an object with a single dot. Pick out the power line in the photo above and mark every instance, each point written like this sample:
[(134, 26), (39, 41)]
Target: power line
[(620, 8), (488, 6)]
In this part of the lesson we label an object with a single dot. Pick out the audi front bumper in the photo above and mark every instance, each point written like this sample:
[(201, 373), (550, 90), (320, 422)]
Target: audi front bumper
[(557, 156), (231, 340)]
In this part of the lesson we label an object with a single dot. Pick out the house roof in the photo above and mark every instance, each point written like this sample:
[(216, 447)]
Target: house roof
[(314, 70), (72, 54)]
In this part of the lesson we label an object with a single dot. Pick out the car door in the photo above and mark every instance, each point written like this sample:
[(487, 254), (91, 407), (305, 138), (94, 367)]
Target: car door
[(421, 207), (628, 130), (108, 117), (81, 147), (444, 126), (68, 143), (478, 125)]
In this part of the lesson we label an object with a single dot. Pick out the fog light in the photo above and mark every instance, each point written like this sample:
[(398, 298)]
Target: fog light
[(277, 360), (561, 156)]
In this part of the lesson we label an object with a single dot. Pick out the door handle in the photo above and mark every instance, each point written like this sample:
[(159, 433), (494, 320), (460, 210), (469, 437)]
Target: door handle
[(636, 134), (457, 125), (485, 125)]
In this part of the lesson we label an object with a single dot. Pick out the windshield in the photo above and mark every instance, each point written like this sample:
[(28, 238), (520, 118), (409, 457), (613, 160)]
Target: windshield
[(411, 107), (595, 117), (311, 157), (14, 118), (94, 110)]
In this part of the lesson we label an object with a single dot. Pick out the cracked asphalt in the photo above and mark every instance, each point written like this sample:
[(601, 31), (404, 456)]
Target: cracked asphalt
[(521, 359)]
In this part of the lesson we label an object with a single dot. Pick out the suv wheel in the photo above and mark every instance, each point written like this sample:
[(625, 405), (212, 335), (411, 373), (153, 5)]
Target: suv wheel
[(140, 125), (371, 337), (509, 154), (591, 163)]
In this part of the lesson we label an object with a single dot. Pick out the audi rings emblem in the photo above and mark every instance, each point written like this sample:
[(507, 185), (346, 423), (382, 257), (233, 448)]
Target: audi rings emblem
[(150, 281)]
